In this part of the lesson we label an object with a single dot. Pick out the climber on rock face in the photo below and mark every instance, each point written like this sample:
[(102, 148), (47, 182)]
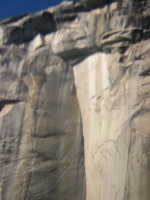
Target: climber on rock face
[(73, 89)]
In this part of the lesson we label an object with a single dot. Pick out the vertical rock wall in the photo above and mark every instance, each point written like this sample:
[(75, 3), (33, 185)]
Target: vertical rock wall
[(41, 142), (115, 112), (91, 53), (113, 88)]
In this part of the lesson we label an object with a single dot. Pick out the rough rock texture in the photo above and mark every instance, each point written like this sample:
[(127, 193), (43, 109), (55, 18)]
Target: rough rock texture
[(41, 142), (95, 53)]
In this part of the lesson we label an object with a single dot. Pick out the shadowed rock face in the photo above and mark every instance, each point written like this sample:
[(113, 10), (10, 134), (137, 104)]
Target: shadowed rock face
[(41, 142), (77, 70)]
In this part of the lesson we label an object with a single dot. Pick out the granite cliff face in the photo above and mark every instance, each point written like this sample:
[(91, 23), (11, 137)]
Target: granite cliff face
[(75, 102)]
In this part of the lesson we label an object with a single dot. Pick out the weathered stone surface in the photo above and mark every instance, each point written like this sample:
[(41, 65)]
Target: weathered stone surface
[(115, 96), (26, 29), (91, 53), (40, 125)]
